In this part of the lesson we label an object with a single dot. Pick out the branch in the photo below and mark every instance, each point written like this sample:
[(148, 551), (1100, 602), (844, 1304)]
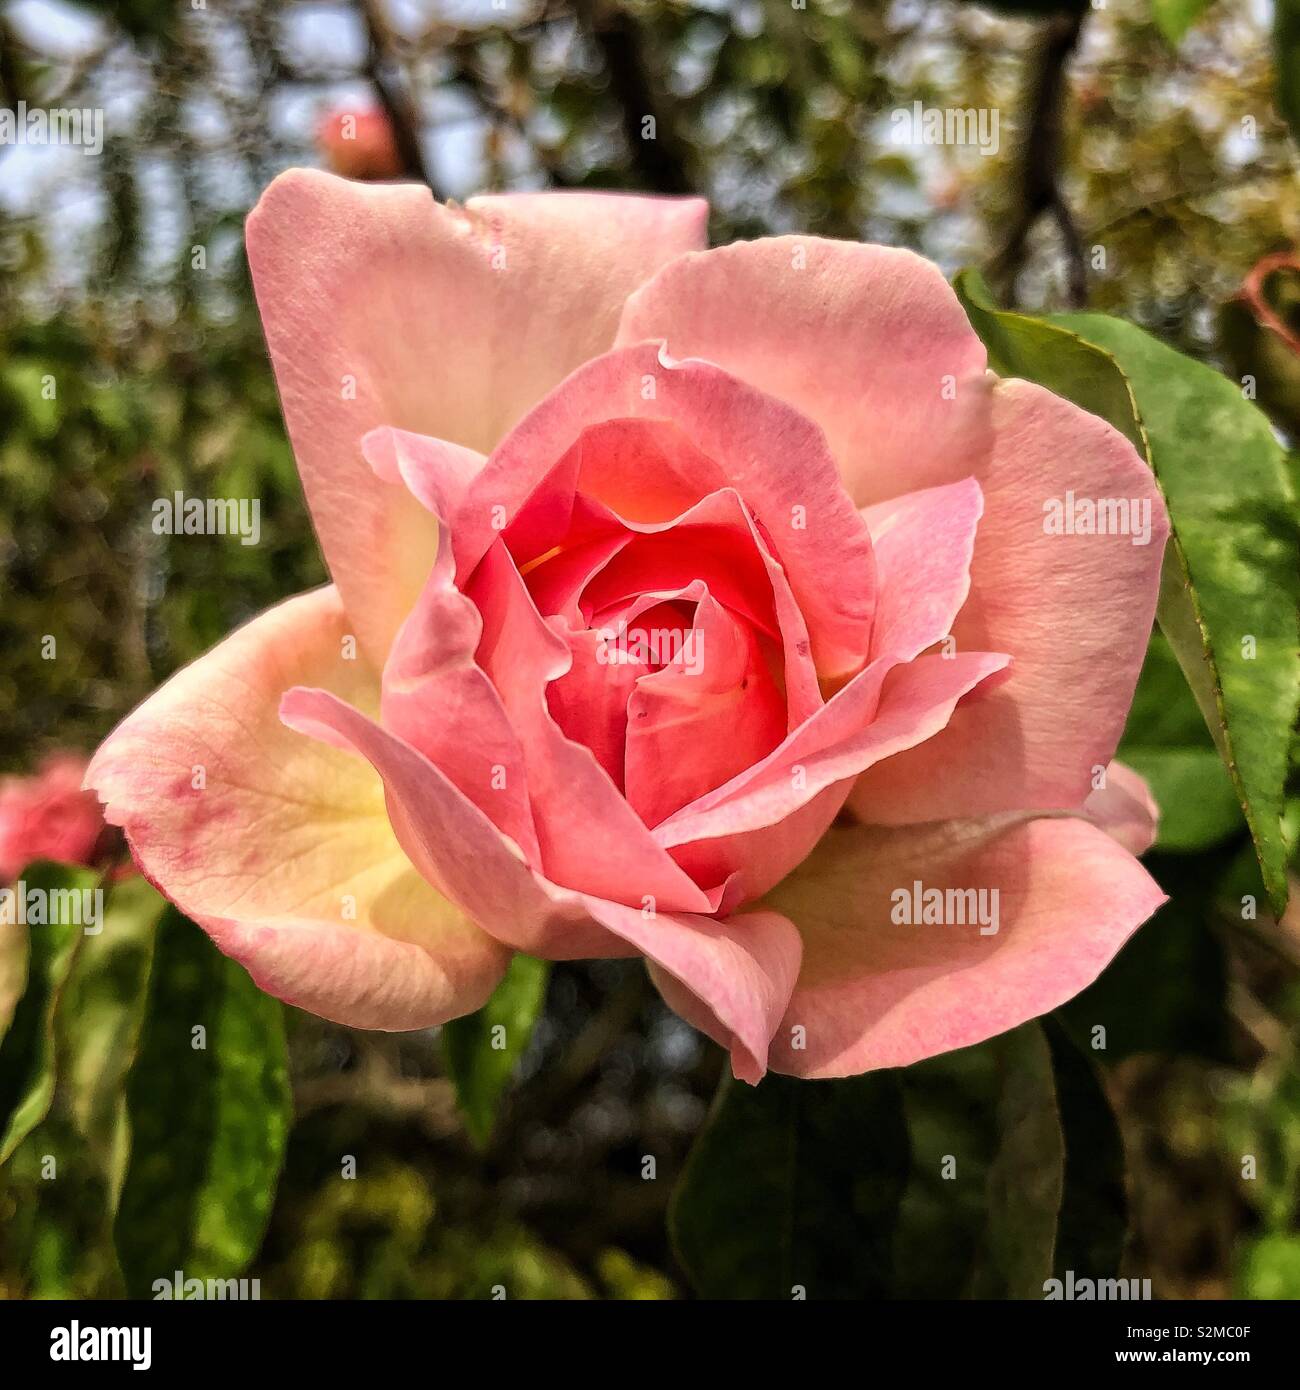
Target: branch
[(1039, 166), (661, 162), (380, 68)]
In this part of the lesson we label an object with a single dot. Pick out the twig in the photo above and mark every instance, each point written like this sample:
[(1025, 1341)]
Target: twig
[(1039, 168), (661, 161), (402, 116)]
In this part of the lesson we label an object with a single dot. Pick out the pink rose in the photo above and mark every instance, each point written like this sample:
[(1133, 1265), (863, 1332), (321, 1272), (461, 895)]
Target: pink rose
[(48, 816), (358, 143), (660, 575)]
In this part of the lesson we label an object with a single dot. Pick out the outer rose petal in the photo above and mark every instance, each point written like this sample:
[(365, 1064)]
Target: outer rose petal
[(1074, 611), (875, 993), (449, 840), (382, 307), (1125, 809), (266, 854), (738, 999), (861, 339)]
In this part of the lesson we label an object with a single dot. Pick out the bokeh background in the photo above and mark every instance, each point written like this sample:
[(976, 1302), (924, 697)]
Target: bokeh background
[(1148, 128)]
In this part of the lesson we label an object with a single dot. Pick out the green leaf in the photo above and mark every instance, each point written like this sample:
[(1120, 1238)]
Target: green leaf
[(1166, 991), (99, 1019), (1198, 806), (1233, 566), (1165, 739), (1052, 355), (941, 1180), (1175, 17), (1231, 583), (979, 1214), (1286, 61), (27, 1051), (1094, 1208), (482, 1049), (1163, 713), (208, 1103), (794, 1185)]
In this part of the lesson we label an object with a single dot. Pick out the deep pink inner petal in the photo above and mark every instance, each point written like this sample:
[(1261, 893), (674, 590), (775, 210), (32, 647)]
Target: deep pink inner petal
[(702, 717)]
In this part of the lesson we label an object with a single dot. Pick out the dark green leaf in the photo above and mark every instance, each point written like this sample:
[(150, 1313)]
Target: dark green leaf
[(987, 1164), (1094, 1209), (794, 1185), (1166, 991), (1231, 587), (27, 1051), (483, 1049), (1286, 61), (941, 1180), (99, 1019), (1052, 355), (209, 1106)]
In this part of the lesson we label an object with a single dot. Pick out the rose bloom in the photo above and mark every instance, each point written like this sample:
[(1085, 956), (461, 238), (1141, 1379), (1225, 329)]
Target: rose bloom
[(533, 422), (48, 816), (358, 143)]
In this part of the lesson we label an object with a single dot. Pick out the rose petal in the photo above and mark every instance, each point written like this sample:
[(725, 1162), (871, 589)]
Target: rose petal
[(714, 540), (589, 702), (591, 839), (883, 711), (741, 971), (437, 474), (731, 980), (923, 542), (1074, 611), (284, 853), (703, 718), (1125, 809), (437, 698), (450, 841), (876, 992), (867, 341), (382, 307)]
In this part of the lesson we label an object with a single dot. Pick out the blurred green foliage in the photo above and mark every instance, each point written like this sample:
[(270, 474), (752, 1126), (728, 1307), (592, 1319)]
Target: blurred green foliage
[(132, 366)]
